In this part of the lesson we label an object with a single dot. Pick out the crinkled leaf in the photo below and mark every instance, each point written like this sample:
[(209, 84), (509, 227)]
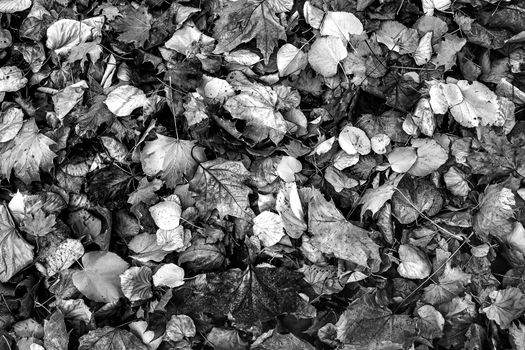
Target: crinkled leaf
[(110, 338), (27, 153), (447, 49), (12, 6), (333, 235), (219, 184), (56, 336), (175, 160), (136, 283), (259, 22), (257, 106), (134, 25), (496, 212), (11, 79), (507, 305), (415, 196), (179, 327), (125, 99), (16, 253), (11, 121)]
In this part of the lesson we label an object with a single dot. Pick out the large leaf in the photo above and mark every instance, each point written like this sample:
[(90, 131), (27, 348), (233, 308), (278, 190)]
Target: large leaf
[(16, 253), (507, 305), (175, 160), (109, 338), (333, 235), (11, 6), (27, 153), (219, 185), (325, 54), (242, 21), (496, 212), (250, 296), (134, 25), (365, 325), (257, 106), (100, 278)]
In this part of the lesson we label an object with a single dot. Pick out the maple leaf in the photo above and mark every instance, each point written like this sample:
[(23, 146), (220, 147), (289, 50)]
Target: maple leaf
[(242, 21), (447, 49), (134, 25), (27, 153), (332, 234), (110, 338), (38, 224), (16, 253), (219, 184), (451, 284), (175, 160), (250, 296)]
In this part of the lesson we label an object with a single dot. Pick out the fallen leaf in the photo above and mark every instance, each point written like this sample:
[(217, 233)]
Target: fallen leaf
[(260, 23), (136, 283), (12, 6), (446, 51), (100, 278), (354, 140), (11, 79), (134, 24), (290, 60), (341, 25), (325, 54), (414, 263), (56, 336), (125, 99), (169, 275), (11, 121), (175, 160), (27, 153), (507, 305), (180, 327), (269, 228), (110, 338), (166, 214), (15, 251), (332, 234)]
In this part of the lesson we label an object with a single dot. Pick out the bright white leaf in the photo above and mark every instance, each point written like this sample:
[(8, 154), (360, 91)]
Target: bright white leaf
[(166, 214), (414, 263), (375, 198), (183, 40), (401, 159), (65, 34), (175, 160), (290, 60), (343, 160), (423, 117), (217, 89), (65, 100), (288, 167), (11, 121), (173, 240), (100, 278), (341, 25), (136, 283), (242, 57), (354, 140), (507, 305), (447, 50), (325, 54), (125, 99), (169, 275), (397, 37), (379, 143), (11, 79), (430, 5), (313, 15), (140, 328), (268, 227), (12, 6), (424, 50)]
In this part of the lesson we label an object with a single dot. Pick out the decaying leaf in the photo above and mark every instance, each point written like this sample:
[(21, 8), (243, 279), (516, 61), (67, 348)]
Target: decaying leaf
[(332, 234)]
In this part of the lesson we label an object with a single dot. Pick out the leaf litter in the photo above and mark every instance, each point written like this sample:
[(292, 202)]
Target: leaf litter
[(262, 174)]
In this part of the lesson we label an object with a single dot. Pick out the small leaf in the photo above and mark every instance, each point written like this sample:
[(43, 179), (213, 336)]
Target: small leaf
[(166, 214), (11, 79), (11, 121), (430, 5), (63, 256), (423, 52), (414, 263), (269, 228), (169, 275), (401, 159), (354, 140), (180, 327)]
